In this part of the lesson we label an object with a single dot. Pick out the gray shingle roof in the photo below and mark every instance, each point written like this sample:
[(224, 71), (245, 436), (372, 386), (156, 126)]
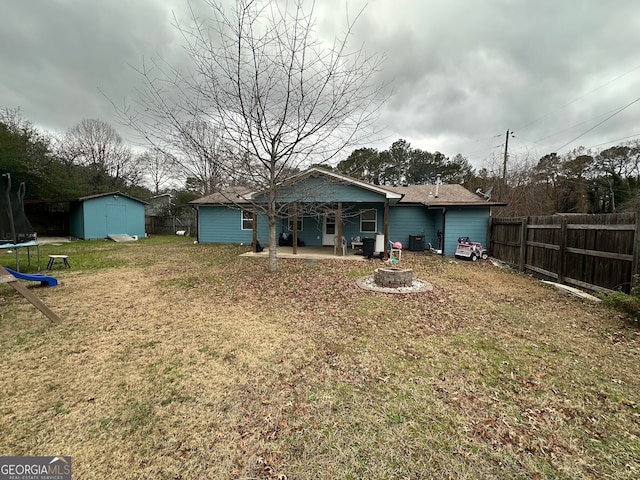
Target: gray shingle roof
[(230, 196), (448, 195)]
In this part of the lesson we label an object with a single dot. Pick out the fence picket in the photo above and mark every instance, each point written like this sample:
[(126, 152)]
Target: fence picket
[(598, 252)]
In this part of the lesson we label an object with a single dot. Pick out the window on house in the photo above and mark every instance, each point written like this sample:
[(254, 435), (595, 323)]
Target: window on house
[(368, 221), (290, 224), (247, 220)]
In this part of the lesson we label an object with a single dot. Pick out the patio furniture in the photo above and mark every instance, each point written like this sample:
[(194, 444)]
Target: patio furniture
[(355, 244), (58, 260), (395, 250)]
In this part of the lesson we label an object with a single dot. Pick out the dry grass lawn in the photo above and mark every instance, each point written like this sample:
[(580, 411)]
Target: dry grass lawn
[(182, 361)]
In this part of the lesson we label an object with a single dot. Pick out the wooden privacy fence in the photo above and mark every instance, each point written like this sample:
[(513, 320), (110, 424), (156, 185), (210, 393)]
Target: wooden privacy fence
[(170, 224), (596, 252)]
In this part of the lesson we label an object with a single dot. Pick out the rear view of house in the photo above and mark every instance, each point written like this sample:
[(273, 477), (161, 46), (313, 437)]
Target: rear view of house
[(320, 203)]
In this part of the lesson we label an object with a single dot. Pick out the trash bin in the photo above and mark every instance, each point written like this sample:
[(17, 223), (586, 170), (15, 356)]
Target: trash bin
[(416, 243), (380, 246), (368, 245)]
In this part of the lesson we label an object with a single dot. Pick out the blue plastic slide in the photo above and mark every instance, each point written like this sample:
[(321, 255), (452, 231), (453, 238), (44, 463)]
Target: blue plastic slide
[(34, 277)]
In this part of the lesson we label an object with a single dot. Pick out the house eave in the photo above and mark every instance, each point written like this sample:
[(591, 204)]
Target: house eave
[(464, 204), (388, 194)]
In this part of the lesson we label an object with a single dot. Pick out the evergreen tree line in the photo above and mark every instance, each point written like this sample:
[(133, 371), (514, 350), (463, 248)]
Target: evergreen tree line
[(91, 158), (581, 181)]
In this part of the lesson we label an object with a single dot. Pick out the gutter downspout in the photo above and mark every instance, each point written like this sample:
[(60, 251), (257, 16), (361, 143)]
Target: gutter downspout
[(197, 209)]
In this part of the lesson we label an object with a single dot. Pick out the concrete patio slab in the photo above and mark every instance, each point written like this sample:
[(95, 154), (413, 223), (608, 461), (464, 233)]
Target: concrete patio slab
[(310, 253)]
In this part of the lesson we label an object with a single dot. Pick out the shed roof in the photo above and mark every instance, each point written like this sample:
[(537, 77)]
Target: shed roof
[(98, 195)]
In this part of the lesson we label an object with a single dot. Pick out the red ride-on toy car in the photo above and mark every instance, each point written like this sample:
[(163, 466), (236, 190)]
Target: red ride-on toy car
[(471, 250)]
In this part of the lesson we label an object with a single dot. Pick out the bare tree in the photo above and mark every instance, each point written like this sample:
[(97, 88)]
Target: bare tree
[(202, 157), (159, 168), (96, 145), (281, 98)]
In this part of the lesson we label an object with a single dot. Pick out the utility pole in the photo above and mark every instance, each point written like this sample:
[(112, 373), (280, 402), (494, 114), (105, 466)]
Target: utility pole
[(506, 155)]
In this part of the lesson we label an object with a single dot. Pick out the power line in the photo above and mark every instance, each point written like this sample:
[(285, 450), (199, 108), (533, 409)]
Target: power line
[(575, 125), (616, 140), (554, 111), (578, 98), (598, 124)]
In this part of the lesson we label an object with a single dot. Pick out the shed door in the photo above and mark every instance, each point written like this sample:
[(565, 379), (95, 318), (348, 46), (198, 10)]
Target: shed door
[(116, 219)]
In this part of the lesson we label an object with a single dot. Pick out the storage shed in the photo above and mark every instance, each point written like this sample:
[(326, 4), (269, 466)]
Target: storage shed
[(98, 216)]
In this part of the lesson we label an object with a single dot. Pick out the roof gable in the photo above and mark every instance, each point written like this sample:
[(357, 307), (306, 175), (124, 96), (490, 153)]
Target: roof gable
[(313, 185), (308, 186), (114, 194), (339, 178)]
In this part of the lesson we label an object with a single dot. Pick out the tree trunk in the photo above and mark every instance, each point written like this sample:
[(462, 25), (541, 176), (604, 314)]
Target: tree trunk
[(273, 245)]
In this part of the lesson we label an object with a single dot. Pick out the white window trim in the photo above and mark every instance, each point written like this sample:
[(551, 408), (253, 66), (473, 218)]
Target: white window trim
[(248, 218), (375, 221), (290, 224)]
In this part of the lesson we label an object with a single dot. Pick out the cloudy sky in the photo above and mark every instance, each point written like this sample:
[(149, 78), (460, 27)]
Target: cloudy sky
[(462, 71)]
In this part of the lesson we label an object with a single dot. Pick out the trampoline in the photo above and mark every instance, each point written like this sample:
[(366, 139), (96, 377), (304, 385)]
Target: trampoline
[(16, 231)]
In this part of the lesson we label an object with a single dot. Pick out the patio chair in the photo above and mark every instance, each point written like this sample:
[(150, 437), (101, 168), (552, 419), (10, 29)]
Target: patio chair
[(344, 245), (395, 250)]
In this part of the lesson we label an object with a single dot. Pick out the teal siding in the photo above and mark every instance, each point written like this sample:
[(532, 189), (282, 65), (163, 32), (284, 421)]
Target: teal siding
[(351, 220), (311, 233), (219, 224), (99, 217), (135, 219), (466, 222), (76, 224), (406, 221)]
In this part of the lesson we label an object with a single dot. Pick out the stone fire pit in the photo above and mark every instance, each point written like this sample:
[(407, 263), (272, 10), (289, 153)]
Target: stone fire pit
[(393, 277), (393, 280)]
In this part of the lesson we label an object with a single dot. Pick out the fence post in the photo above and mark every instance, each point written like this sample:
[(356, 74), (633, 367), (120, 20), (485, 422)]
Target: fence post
[(563, 246), (636, 252), (523, 244)]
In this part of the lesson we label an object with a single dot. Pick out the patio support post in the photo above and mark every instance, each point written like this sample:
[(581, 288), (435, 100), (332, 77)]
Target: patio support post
[(254, 238), (295, 228), (338, 240), (386, 228)]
